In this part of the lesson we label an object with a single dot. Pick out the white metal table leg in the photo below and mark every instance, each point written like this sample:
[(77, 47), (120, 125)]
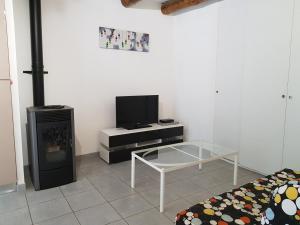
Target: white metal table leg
[(200, 166), (162, 191), (235, 173), (132, 171), (200, 157)]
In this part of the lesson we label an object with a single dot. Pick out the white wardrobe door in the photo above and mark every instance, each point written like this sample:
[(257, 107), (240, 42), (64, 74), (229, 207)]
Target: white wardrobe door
[(229, 74), (195, 69), (268, 33), (291, 156)]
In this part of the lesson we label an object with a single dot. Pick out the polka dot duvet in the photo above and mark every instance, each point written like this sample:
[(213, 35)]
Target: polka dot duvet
[(284, 207), (272, 200)]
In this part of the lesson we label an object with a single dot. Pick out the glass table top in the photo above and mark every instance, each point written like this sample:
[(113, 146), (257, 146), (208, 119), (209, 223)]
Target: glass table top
[(183, 153)]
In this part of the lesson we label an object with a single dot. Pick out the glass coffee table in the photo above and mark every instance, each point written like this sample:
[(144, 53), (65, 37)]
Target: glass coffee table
[(178, 156)]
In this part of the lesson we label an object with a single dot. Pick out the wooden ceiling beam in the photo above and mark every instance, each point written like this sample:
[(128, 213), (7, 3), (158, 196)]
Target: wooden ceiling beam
[(172, 6), (127, 3)]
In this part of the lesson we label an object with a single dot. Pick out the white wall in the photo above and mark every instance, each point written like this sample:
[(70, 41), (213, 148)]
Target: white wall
[(88, 78), (195, 42)]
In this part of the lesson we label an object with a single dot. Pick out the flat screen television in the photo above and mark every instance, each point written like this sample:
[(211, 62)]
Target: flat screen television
[(133, 112)]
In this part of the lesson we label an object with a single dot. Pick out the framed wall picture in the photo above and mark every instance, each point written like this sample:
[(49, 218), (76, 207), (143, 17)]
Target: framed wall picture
[(110, 38)]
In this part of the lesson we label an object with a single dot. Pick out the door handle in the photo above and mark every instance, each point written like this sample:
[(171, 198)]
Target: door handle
[(290, 97), (283, 96)]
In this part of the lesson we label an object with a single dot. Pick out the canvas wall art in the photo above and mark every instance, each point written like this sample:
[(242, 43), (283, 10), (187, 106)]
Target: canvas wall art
[(110, 38)]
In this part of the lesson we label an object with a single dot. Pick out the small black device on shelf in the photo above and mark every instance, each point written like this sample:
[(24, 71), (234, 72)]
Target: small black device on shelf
[(166, 121), (133, 112)]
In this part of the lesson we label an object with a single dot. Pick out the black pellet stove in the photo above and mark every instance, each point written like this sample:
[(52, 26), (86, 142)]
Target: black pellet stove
[(50, 129)]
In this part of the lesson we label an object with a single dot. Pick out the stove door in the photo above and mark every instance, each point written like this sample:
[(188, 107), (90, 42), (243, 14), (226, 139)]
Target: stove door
[(54, 145)]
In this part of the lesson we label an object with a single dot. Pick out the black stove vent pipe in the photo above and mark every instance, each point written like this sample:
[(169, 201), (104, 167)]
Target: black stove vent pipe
[(36, 53)]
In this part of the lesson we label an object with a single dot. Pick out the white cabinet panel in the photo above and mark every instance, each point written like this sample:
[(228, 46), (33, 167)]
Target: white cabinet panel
[(7, 148), (267, 48), (229, 74), (4, 64), (291, 156)]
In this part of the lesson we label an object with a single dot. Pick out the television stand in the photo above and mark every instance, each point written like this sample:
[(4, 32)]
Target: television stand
[(136, 126), (116, 144)]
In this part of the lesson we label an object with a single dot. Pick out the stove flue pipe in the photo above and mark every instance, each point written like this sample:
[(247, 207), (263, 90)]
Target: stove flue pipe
[(37, 53)]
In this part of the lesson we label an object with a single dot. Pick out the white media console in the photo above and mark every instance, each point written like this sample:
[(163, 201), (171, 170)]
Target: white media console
[(116, 144)]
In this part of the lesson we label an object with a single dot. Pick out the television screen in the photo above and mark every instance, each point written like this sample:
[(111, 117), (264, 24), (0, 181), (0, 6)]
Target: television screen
[(136, 110)]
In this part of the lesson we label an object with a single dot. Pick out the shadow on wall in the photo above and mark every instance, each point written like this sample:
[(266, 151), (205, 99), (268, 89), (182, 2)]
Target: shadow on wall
[(78, 147)]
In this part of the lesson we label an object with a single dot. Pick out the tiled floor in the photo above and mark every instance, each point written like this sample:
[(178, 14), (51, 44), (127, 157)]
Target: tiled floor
[(102, 195)]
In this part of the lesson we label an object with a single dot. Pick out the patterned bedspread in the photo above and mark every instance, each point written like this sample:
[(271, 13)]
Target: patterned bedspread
[(240, 206)]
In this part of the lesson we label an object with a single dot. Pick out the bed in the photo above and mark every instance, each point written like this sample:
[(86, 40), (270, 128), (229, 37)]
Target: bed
[(243, 205)]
